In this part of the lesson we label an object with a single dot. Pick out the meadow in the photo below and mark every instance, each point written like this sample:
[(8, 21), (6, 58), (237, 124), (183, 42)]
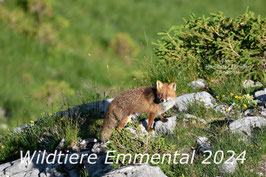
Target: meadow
[(64, 53)]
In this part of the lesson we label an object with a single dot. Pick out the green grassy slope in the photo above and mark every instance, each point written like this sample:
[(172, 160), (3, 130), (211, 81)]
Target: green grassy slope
[(33, 74)]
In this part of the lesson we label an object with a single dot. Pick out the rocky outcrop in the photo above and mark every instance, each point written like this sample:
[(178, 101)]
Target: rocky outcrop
[(244, 126)]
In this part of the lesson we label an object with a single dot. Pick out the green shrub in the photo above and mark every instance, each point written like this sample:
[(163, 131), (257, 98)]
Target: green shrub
[(216, 45)]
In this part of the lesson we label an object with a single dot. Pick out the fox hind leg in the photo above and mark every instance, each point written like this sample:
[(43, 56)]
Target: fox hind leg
[(123, 122)]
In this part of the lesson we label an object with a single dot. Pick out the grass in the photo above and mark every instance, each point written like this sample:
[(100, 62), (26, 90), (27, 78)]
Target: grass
[(81, 50), (80, 64), (48, 132)]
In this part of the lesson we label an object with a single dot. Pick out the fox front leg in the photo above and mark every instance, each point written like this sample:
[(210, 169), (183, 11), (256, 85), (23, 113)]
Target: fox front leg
[(151, 119), (163, 119)]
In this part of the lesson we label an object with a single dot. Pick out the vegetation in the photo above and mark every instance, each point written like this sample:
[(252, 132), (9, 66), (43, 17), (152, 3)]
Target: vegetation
[(55, 56), (210, 46), (48, 131), (184, 141), (73, 45)]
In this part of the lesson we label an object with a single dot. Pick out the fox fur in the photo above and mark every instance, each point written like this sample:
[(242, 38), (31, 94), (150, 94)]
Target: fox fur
[(142, 100)]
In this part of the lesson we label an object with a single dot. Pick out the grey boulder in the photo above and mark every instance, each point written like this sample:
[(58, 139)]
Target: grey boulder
[(246, 125), (136, 171), (229, 167), (165, 128), (198, 84), (204, 97)]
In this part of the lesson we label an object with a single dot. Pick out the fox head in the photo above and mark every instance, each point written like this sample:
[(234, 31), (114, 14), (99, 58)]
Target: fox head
[(165, 91)]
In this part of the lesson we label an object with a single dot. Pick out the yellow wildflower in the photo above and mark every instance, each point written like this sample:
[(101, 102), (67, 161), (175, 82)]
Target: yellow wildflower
[(240, 97), (217, 97), (236, 97), (2, 147), (227, 110), (231, 94), (245, 106), (31, 121), (223, 95), (169, 80), (256, 103)]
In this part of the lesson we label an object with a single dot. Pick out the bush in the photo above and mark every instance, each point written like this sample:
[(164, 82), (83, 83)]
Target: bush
[(216, 45)]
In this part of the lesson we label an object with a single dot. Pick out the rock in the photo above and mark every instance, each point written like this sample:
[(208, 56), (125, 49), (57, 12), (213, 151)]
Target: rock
[(61, 145), (98, 148), (229, 167), (248, 112), (260, 97), (84, 144), (22, 168), (53, 171), (34, 172), (220, 108), (4, 166), (204, 97), (22, 128), (99, 168), (251, 83), (73, 173), (246, 125), (136, 171), (98, 107), (165, 128), (203, 145), (231, 107), (198, 84), (190, 116), (143, 130), (263, 113), (137, 133)]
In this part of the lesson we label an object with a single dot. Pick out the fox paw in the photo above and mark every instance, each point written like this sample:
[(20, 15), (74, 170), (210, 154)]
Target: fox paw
[(164, 120)]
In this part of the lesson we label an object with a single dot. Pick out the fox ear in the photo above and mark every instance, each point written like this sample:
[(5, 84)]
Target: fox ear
[(173, 86), (159, 84)]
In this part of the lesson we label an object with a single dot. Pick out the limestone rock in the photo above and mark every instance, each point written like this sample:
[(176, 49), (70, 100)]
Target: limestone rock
[(229, 167), (198, 84), (251, 83), (204, 97), (203, 145), (165, 128), (246, 125), (136, 171)]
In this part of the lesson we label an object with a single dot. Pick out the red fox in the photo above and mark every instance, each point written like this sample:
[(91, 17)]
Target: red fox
[(154, 101)]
